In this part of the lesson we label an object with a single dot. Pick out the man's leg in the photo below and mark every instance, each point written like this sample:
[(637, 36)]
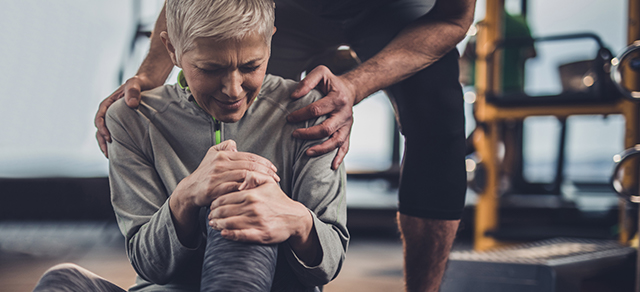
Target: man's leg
[(73, 278), (425, 258), (429, 106), (237, 266), (433, 180)]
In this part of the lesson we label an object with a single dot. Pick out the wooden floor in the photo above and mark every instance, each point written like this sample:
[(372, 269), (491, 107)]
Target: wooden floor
[(27, 250)]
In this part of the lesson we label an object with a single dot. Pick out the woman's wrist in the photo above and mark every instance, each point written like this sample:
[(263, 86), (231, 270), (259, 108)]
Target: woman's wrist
[(304, 241)]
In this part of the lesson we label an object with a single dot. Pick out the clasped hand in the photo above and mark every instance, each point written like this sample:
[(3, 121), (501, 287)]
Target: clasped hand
[(224, 170), (246, 202)]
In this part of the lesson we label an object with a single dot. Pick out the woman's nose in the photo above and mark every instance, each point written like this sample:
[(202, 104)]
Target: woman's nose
[(232, 84)]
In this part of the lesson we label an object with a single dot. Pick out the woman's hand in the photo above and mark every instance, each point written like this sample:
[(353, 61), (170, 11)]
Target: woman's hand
[(266, 215), (222, 170)]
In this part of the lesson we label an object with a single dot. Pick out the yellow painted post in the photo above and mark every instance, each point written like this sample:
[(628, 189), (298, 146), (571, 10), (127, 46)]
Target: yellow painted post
[(485, 137)]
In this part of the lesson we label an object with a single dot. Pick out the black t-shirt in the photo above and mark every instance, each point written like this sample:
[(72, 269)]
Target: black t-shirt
[(338, 8)]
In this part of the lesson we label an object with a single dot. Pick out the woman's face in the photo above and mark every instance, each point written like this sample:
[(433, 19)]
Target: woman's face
[(225, 77)]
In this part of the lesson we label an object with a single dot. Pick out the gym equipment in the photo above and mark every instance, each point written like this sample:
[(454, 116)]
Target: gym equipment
[(494, 111), (555, 265)]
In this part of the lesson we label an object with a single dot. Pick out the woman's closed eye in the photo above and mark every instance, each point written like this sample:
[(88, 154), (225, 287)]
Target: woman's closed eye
[(248, 69), (211, 71)]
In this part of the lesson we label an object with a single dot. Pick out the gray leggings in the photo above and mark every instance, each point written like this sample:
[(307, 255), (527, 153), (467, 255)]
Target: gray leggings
[(228, 266), (237, 266)]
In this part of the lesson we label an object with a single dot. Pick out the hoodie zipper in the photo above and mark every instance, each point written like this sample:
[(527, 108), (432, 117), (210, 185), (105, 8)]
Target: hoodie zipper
[(217, 128)]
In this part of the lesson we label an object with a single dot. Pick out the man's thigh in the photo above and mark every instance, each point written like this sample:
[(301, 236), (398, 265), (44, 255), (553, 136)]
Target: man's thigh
[(428, 104), (429, 108), (431, 114)]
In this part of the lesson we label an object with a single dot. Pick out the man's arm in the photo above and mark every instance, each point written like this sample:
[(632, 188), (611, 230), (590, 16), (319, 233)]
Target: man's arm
[(152, 73), (157, 66), (416, 47)]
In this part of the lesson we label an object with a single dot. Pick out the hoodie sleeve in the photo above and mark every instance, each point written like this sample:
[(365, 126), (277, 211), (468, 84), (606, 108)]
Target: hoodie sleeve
[(140, 199), (323, 191)]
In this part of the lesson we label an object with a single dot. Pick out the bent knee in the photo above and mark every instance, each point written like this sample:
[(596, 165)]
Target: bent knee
[(60, 277)]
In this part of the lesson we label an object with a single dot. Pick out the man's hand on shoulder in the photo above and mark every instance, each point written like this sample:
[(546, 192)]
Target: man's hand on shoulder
[(130, 90), (337, 104)]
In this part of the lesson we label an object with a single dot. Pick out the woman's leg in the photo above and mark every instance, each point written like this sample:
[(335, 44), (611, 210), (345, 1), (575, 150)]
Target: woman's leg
[(237, 266), (73, 278)]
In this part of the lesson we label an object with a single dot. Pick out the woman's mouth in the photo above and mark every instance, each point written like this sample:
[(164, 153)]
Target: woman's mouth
[(229, 106)]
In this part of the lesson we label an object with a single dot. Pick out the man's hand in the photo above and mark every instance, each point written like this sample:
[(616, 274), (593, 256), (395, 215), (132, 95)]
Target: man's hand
[(130, 90), (338, 102)]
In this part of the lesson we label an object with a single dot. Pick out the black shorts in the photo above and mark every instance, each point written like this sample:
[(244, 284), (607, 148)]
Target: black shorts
[(429, 105)]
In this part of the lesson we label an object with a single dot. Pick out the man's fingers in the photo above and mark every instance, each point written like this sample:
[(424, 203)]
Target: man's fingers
[(132, 90), (318, 108), (104, 105), (103, 144), (327, 128), (310, 81), (103, 134), (336, 141), (316, 132), (131, 93), (342, 152)]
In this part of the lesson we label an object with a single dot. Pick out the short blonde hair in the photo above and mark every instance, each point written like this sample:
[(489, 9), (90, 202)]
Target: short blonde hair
[(218, 19)]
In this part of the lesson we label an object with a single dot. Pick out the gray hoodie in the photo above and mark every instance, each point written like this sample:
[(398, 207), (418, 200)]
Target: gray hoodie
[(157, 145)]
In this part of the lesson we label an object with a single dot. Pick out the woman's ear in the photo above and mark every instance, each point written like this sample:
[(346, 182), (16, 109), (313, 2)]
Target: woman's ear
[(164, 36), (274, 31)]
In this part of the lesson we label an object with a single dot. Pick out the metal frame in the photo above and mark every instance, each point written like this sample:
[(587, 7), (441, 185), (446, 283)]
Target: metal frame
[(487, 137)]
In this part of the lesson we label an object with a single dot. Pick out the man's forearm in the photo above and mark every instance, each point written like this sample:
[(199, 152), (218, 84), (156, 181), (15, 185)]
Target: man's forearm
[(157, 66), (416, 47)]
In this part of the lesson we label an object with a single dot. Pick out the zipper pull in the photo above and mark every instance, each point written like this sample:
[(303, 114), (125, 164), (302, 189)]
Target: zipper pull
[(217, 126)]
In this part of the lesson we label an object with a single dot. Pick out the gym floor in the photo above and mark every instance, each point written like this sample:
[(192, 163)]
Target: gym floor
[(28, 249)]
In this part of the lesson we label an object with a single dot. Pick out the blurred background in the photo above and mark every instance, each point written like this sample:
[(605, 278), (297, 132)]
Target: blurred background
[(62, 58)]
